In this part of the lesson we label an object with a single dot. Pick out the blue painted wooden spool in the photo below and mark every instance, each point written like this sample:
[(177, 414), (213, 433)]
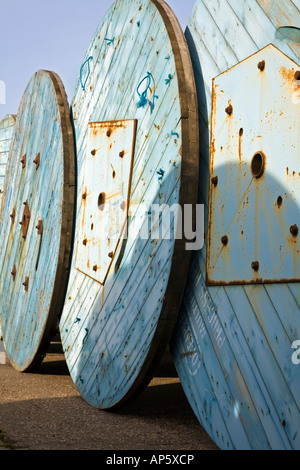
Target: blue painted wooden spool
[(234, 345), (136, 139), (36, 221), (6, 132)]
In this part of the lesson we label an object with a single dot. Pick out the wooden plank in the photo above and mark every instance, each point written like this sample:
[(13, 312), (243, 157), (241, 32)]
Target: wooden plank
[(6, 131), (113, 335), (257, 323), (38, 251)]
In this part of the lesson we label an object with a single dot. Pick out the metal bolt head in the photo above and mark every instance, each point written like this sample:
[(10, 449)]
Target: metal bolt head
[(255, 265), (214, 180), (294, 230), (261, 65), (229, 110), (23, 161), (297, 75), (37, 161), (25, 284), (13, 215), (224, 240), (14, 272), (39, 227)]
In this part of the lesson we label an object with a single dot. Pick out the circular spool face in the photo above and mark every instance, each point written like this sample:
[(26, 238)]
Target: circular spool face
[(135, 120), (36, 221), (233, 345)]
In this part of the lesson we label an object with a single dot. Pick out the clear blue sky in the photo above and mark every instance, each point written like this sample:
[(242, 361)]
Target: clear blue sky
[(52, 35)]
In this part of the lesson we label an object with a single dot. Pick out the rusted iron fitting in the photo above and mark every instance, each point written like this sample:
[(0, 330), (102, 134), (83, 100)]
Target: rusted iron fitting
[(229, 110), (39, 227), (214, 180), (26, 283), (224, 240), (23, 161), (14, 272), (25, 220), (13, 216), (255, 265), (37, 161)]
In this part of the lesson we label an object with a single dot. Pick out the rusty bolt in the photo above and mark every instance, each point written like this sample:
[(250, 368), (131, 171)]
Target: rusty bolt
[(261, 65), (93, 152), (14, 272), (25, 284), (255, 265), (121, 154), (229, 110), (111, 254), (214, 180), (23, 161), (84, 242), (224, 240), (37, 161), (84, 196), (297, 75), (95, 268), (294, 230), (39, 227), (108, 133), (13, 215)]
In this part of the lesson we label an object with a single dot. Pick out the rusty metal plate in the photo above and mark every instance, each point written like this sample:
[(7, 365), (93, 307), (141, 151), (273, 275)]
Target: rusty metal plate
[(232, 344), (254, 217), (106, 183), (36, 222)]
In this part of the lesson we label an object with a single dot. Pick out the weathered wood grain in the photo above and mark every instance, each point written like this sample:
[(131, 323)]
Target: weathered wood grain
[(232, 345), (113, 335), (6, 131), (41, 253)]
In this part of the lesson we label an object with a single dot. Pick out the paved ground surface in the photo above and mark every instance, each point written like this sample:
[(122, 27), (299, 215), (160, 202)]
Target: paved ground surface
[(44, 411)]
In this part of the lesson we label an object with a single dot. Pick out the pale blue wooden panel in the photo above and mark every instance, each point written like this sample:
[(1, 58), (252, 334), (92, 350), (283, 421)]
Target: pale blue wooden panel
[(45, 182), (114, 335), (6, 132), (238, 334)]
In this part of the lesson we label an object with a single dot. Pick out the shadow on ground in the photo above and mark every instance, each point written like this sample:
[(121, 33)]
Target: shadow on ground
[(44, 410)]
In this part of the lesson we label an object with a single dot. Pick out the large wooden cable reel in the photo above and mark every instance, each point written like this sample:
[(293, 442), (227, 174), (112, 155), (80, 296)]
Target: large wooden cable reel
[(233, 344), (135, 120), (6, 131), (36, 221)]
